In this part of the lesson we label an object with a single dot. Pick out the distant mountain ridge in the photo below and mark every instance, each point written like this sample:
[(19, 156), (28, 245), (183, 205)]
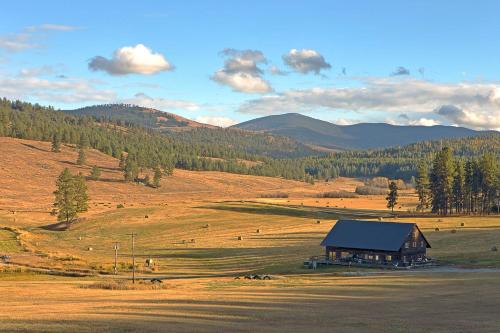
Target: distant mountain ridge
[(321, 133)]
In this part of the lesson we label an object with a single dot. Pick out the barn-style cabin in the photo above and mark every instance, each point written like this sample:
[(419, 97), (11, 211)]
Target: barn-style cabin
[(376, 242)]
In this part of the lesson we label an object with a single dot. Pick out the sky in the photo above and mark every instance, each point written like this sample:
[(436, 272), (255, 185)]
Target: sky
[(223, 62)]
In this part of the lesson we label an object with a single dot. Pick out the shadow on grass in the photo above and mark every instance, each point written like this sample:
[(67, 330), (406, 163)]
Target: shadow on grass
[(296, 211)]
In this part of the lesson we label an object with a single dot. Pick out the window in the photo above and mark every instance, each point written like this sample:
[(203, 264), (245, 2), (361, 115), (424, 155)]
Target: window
[(421, 243), (414, 244), (388, 258), (407, 245), (376, 257)]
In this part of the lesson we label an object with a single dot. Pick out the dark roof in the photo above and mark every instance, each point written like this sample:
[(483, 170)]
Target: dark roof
[(384, 236)]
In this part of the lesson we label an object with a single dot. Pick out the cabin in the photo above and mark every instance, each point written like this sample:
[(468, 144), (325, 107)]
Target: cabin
[(381, 243)]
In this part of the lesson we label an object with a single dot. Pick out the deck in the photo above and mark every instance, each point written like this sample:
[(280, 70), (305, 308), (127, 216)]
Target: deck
[(319, 261)]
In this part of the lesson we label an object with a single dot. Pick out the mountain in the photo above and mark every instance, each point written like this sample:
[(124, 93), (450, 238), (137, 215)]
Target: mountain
[(195, 133), (321, 133), (137, 115)]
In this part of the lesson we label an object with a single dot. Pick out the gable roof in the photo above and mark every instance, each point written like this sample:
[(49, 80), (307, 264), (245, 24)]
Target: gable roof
[(384, 236)]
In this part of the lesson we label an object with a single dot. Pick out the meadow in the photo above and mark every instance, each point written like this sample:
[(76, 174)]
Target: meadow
[(202, 229)]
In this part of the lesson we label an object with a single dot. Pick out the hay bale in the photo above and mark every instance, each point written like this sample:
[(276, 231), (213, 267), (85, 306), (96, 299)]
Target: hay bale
[(453, 231), (439, 220), (207, 226), (146, 216), (80, 237), (258, 231), (240, 238), (193, 240), (318, 222), (437, 229), (462, 224), (379, 218), (90, 248), (494, 249)]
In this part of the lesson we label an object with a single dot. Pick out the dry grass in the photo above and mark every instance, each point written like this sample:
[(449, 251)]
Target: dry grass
[(191, 232), (319, 303), (125, 285)]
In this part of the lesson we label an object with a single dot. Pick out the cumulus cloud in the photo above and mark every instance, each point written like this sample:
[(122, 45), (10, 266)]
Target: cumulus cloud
[(159, 103), (36, 71), (471, 117), (424, 122), (241, 71), (216, 121), (305, 61), (401, 71), (479, 102), (137, 59), (59, 91)]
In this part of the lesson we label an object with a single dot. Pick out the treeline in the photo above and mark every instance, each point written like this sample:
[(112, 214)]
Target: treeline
[(459, 185), (228, 150), (147, 147)]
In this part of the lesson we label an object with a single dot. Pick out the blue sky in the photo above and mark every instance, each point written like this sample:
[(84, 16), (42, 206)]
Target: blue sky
[(229, 61)]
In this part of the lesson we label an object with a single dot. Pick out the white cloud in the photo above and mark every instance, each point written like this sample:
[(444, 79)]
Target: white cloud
[(136, 59), (162, 104), (305, 61), (424, 122), (479, 102), (216, 121), (274, 70), (60, 91), (241, 71), (26, 39)]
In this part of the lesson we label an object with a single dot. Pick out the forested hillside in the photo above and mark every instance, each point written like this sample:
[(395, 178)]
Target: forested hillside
[(193, 132), (202, 149)]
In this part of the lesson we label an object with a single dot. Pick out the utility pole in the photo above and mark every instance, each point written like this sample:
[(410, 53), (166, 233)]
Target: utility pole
[(133, 256), (116, 247)]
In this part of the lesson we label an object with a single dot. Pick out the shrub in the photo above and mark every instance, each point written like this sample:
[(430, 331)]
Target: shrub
[(337, 194), (120, 206), (371, 190), (382, 182), (274, 195)]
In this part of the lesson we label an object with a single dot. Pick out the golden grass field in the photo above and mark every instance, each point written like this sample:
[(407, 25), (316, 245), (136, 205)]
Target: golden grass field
[(190, 227)]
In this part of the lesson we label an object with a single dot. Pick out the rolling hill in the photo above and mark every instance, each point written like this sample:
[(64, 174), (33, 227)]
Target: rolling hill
[(359, 136), (137, 115)]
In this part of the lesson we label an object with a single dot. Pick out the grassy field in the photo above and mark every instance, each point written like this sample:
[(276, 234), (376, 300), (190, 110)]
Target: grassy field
[(202, 229), (318, 303)]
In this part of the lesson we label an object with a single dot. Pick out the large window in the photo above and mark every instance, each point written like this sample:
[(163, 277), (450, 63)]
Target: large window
[(388, 258), (407, 245)]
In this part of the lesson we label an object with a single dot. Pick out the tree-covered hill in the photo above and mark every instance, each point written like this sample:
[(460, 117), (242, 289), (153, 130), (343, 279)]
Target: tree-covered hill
[(193, 132), (227, 150)]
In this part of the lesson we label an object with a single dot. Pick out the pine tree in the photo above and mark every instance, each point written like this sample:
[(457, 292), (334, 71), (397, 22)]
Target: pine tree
[(157, 177), (131, 172), (81, 157), (458, 187), (487, 181), (441, 181), (422, 185), (56, 143), (65, 197), (123, 161), (392, 197), (95, 173), (81, 196)]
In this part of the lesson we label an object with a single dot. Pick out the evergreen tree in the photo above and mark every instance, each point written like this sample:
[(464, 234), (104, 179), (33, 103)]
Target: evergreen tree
[(56, 143), (422, 185), (441, 180), (95, 173), (131, 172), (392, 197), (487, 181), (65, 197), (157, 177), (81, 196), (123, 161), (81, 157), (458, 188)]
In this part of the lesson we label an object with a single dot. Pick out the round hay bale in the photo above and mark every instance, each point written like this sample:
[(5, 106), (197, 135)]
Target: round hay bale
[(494, 249), (379, 218), (437, 229), (80, 237), (146, 216), (462, 224), (258, 231), (90, 248), (193, 240), (318, 222), (453, 231), (240, 238)]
